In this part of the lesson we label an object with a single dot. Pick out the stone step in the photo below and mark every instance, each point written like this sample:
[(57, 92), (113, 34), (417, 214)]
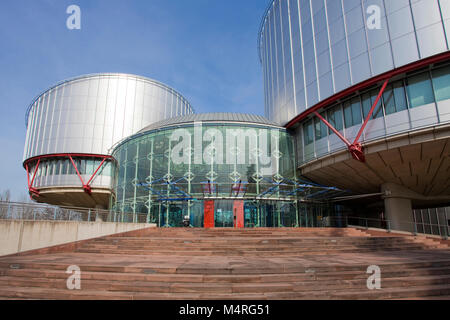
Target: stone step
[(274, 239), (246, 235), (247, 232), (183, 247), (57, 294), (212, 270), (230, 264), (186, 278), (238, 252), (168, 287), (268, 243)]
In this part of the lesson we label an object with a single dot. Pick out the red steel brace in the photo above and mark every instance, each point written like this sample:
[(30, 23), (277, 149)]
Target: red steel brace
[(30, 184), (356, 149), (86, 186)]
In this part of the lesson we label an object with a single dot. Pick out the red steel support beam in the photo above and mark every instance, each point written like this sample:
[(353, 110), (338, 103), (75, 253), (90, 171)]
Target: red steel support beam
[(35, 171), (30, 184), (371, 110), (86, 186), (329, 125), (356, 149), (95, 173)]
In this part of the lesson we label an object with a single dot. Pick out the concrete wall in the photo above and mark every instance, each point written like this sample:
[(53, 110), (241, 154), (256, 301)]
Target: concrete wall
[(23, 235)]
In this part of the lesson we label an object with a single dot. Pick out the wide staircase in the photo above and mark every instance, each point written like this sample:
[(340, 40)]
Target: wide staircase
[(257, 264)]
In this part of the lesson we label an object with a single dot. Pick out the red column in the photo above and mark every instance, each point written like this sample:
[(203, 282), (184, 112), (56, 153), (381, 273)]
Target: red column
[(208, 214), (238, 211)]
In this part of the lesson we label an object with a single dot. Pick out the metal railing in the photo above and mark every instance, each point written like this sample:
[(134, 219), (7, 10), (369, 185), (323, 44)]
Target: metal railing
[(42, 212), (412, 227)]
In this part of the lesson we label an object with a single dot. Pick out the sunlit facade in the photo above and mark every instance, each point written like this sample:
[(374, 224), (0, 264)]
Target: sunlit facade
[(420, 99), (365, 86), (357, 103), (215, 170), (72, 126)]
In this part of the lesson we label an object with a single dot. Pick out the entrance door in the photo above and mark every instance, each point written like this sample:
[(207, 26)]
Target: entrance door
[(238, 213), (208, 214), (224, 213)]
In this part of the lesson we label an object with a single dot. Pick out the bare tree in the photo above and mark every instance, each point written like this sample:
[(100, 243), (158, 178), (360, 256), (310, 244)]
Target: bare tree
[(27, 210), (5, 198)]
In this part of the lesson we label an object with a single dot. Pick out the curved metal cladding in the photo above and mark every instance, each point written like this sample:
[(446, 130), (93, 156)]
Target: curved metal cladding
[(313, 49), (332, 56), (85, 117)]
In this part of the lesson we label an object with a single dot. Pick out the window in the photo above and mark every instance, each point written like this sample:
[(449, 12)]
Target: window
[(348, 114), (82, 166), (65, 166), (389, 100), (420, 91), (368, 99), (71, 167), (90, 167), (394, 98), (335, 118), (96, 164), (352, 112), (308, 133), (400, 96), (44, 169), (58, 167), (78, 164), (51, 168), (441, 82), (320, 127), (105, 170), (108, 169)]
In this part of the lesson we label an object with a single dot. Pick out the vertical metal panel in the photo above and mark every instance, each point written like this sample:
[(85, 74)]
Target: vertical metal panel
[(90, 114), (410, 30)]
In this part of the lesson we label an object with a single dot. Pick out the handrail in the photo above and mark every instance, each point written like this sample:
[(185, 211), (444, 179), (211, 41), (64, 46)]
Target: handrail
[(387, 225)]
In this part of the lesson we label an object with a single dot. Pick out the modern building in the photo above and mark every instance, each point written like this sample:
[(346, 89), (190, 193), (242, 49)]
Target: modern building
[(72, 127), (215, 170), (357, 104), (365, 86)]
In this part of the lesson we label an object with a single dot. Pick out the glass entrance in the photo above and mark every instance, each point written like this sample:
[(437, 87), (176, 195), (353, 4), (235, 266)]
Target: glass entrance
[(223, 217)]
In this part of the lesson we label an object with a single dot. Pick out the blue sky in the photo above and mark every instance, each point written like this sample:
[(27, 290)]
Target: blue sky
[(205, 49)]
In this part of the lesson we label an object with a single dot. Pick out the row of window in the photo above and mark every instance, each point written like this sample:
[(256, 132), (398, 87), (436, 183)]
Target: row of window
[(411, 92), (65, 167)]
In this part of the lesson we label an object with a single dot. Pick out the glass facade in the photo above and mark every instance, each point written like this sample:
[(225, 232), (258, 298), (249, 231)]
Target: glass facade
[(213, 174), (56, 167), (60, 172), (420, 99)]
